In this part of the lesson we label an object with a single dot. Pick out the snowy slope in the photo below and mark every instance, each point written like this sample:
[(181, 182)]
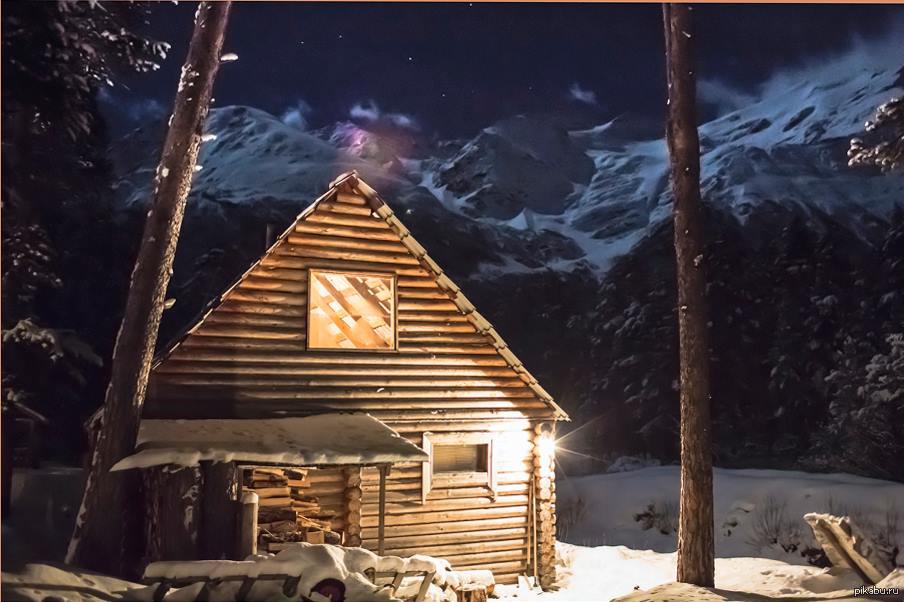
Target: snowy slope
[(751, 506)]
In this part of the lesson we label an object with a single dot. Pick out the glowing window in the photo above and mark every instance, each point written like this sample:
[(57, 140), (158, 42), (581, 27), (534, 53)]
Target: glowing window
[(460, 458), (351, 311)]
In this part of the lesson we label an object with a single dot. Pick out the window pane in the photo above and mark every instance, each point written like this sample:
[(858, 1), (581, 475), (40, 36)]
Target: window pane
[(351, 311), (459, 458)]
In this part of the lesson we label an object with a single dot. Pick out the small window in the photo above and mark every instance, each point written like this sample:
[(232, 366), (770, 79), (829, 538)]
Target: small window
[(456, 458), (351, 311), (460, 458)]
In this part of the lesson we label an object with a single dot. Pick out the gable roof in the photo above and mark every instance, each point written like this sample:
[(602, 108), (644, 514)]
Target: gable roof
[(350, 183)]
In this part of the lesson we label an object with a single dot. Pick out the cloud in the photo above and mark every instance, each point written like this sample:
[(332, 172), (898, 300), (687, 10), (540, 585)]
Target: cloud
[(370, 112), (297, 116), (725, 98), (133, 109), (576, 92)]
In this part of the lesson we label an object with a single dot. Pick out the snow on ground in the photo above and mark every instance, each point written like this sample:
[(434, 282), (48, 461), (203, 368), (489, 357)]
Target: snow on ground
[(762, 541), (635, 561), (608, 572), (639, 509)]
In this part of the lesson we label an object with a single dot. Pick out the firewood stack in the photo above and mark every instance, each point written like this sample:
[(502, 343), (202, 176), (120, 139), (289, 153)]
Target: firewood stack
[(286, 513)]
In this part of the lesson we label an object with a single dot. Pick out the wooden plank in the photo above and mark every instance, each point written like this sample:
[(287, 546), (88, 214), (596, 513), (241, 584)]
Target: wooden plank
[(345, 254), (200, 366), (431, 516), (281, 298), (349, 231), (486, 547), (449, 505), (451, 527), (341, 242), (242, 331), (346, 208), (366, 222), (277, 381), (429, 539), (332, 358)]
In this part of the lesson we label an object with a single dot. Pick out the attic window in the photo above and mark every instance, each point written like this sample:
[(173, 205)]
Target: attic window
[(351, 311)]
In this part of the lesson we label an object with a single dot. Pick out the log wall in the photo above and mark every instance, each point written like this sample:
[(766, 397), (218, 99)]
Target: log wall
[(451, 372)]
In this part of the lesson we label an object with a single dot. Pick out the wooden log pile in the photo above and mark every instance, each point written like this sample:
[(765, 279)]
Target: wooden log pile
[(287, 513)]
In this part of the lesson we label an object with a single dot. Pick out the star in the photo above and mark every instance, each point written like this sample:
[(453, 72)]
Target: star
[(410, 58)]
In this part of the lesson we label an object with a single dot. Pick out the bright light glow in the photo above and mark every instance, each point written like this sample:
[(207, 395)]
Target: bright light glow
[(547, 446)]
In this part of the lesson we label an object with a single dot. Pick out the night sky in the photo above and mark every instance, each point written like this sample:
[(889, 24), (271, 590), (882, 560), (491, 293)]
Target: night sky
[(455, 68)]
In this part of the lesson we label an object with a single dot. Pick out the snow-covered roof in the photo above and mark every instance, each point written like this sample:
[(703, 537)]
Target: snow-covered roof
[(322, 439)]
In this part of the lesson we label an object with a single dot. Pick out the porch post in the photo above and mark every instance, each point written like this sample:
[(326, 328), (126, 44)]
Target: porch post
[(381, 518)]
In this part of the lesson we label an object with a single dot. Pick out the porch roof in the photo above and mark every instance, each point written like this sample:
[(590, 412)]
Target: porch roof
[(319, 440)]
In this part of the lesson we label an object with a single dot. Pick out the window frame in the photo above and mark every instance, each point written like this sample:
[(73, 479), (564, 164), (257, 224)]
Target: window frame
[(446, 480), (392, 276)]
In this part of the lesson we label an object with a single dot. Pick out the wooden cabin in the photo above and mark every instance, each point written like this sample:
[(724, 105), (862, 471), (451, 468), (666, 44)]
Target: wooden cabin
[(347, 314)]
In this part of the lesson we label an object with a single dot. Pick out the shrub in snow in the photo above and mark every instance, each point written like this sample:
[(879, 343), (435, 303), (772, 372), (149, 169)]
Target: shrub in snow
[(772, 528), (626, 463), (568, 515), (661, 515)]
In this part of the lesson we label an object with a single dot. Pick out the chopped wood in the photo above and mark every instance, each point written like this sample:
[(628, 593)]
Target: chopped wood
[(268, 492), (264, 484), (270, 515), (316, 536), (283, 526), (275, 501), (472, 593), (262, 472)]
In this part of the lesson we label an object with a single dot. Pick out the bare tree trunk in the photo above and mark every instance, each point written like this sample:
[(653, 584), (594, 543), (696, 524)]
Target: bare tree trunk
[(108, 522), (695, 523)]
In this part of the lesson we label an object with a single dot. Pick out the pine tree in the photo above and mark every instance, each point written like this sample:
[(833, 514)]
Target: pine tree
[(884, 144), (695, 530), (98, 542), (56, 56)]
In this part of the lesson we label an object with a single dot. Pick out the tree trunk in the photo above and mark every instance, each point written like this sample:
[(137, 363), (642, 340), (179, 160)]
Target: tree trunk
[(219, 510), (104, 535), (695, 523)]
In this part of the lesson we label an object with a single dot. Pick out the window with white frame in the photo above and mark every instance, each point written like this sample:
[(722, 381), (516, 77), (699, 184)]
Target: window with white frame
[(457, 459), (351, 311)]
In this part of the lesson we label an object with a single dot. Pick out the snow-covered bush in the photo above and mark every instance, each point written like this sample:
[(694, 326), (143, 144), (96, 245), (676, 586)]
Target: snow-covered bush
[(661, 515), (773, 528), (626, 463)]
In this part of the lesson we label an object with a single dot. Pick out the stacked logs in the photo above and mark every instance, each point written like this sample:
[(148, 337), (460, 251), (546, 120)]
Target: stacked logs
[(544, 469), (286, 513), (353, 495)]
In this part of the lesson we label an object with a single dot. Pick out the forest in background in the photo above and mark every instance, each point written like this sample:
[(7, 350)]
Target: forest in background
[(808, 363)]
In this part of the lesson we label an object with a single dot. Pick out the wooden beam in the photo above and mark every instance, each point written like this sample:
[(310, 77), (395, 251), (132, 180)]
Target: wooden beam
[(381, 527)]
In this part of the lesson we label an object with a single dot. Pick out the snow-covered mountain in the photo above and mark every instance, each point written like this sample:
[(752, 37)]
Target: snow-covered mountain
[(542, 196)]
